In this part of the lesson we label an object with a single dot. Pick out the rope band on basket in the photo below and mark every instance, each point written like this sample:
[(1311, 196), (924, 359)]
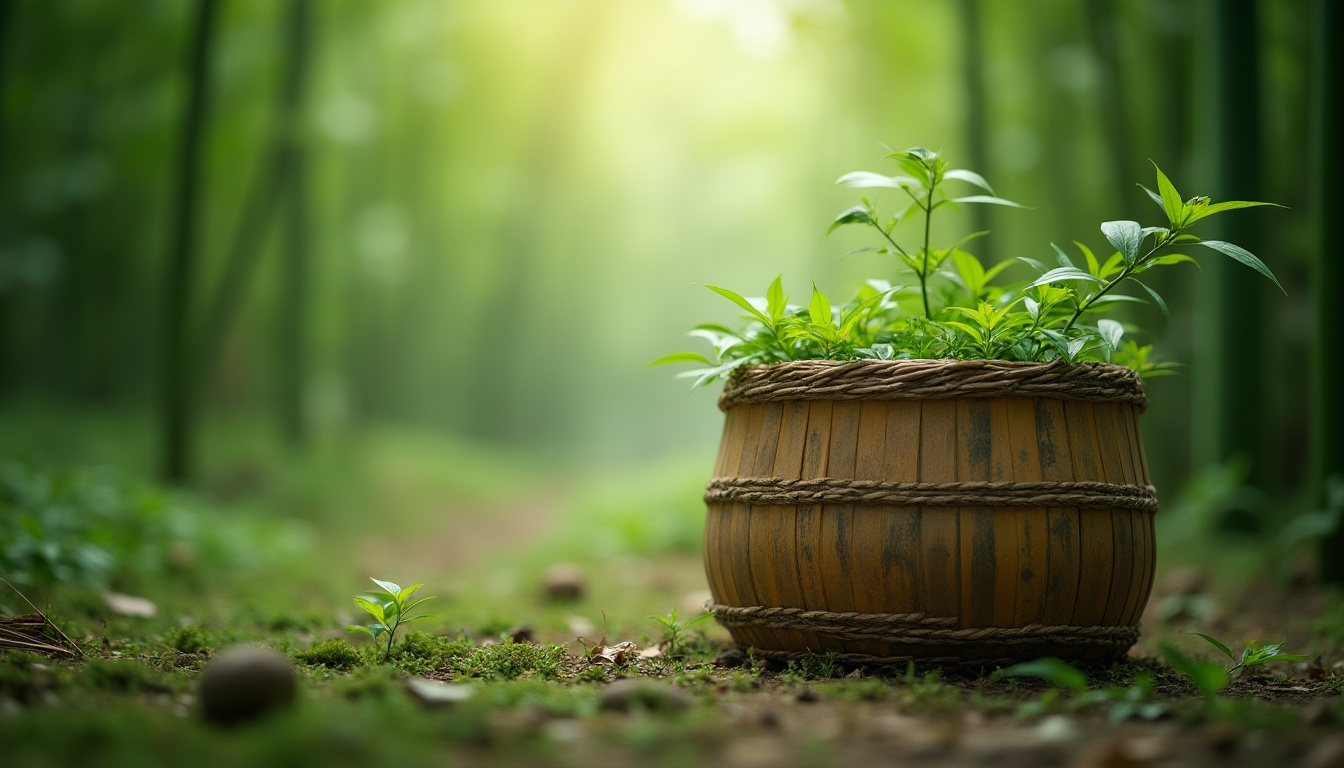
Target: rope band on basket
[(857, 659), (776, 491), (930, 380), (917, 628)]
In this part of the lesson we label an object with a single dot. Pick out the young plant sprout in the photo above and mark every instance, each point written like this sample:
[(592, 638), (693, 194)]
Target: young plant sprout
[(388, 607)]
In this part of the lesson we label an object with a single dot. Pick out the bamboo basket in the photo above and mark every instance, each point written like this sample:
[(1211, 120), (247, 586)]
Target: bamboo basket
[(951, 511)]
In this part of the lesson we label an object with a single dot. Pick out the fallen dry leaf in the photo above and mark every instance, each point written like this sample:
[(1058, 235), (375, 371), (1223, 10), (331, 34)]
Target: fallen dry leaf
[(616, 655)]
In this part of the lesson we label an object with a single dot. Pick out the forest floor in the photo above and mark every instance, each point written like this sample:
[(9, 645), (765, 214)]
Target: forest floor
[(628, 552)]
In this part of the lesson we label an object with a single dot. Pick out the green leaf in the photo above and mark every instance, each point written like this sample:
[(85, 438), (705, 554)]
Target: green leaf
[(774, 298), (1065, 273), (389, 587), (1114, 265), (1112, 298), (819, 309), (868, 179), (681, 357), (1171, 200), (739, 301), (852, 318), (922, 154), (1244, 256), (856, 215), (1207, 677), (408, 608), (1217, 644), (971, 177), (1061, 256), (361, 628), (976, 333), (1111, 331), (1204, 211), (1170, 258), (1093, 266), (1051, 669), (987, 199), (706, 375), (1125, 236), (1162, 305), (1156, 197), (370, 607)]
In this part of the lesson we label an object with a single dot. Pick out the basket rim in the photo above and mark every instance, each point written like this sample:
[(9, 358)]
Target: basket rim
[(931, 378)]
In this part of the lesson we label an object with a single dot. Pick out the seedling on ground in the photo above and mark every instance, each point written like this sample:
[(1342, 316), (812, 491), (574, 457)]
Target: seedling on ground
[(674, 631), (1133, 701), (1252, 655), (388, 608)]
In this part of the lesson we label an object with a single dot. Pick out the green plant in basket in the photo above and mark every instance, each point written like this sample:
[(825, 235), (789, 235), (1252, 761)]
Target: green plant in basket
[(944, 303)]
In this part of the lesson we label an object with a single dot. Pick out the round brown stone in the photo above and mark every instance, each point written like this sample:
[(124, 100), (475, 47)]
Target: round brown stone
[(244, 683)]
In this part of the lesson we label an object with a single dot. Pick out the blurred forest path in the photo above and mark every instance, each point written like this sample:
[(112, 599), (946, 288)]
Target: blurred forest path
[(461, 538)]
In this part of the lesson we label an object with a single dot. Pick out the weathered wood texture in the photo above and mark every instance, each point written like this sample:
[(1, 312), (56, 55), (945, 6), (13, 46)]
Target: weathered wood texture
[(985, 566)]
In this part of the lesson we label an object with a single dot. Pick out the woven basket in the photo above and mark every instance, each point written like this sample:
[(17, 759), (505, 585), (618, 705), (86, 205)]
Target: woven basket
[(951, 511)]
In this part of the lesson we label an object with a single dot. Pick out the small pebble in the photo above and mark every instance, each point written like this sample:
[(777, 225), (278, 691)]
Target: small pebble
[(732, 656), (433, 693), (1055, 729), (636, 693), (807, 696), (768, 719), (1222, 738), (564, 582), (523, 634), (244, 683)]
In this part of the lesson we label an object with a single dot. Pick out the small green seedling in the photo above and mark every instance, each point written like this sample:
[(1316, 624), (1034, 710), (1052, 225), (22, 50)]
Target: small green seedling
[(389, 608), (674, 630), (1252, 655), (1051, 670), (1136, 701)]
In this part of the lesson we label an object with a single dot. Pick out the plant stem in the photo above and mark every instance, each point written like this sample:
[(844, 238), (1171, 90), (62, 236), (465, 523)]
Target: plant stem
[(928, 220), (1129, 270)]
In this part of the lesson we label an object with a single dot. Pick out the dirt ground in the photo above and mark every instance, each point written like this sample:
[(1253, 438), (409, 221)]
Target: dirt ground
[(1283, 715)]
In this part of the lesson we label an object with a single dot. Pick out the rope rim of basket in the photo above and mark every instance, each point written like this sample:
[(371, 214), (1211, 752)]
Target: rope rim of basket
[(778, 491), (862, 659), (918, 628), (931, 380)]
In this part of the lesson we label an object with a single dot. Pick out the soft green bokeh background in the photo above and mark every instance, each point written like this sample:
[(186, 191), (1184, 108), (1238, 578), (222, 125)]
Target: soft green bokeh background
[(510, 201)]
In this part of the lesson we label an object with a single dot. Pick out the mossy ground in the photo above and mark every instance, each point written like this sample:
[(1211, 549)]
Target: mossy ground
[(412, 513)]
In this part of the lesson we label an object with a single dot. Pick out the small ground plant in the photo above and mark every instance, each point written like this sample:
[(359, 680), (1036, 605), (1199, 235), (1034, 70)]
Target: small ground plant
[(944, 303), (388, 608), (674, 631), (1121, 702)]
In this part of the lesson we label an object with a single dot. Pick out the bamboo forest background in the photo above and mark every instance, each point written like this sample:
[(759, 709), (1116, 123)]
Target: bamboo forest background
[(481, 219)]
